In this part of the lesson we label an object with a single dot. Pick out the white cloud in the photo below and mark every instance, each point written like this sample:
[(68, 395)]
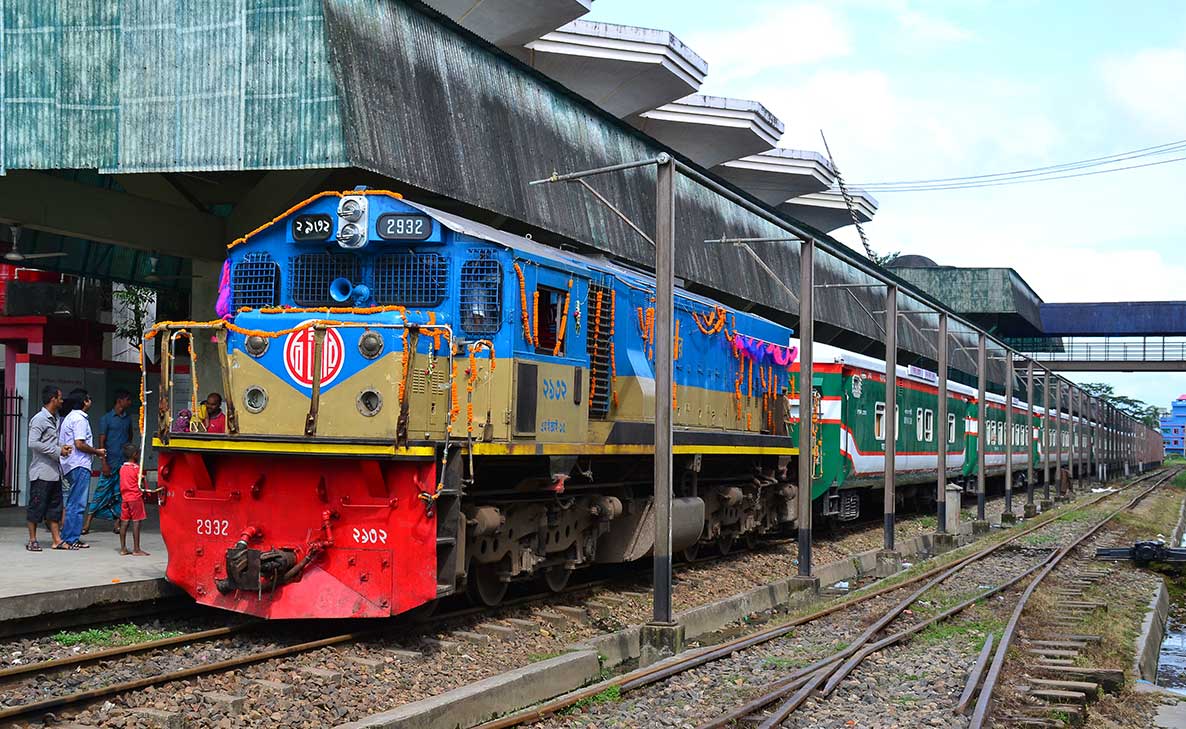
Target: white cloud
[(783, 36), (1149, 86), (929, 28)]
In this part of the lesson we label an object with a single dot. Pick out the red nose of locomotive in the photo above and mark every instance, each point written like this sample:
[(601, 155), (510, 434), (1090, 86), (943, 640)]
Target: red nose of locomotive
[(292, 536)]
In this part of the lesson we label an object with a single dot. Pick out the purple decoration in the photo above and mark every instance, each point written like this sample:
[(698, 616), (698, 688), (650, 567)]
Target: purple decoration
[(222, 307)]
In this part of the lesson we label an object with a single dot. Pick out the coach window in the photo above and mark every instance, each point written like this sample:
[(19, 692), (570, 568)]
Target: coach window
[(548, 319), (929, 429), (879, 421), (918, 430), (950, 428)]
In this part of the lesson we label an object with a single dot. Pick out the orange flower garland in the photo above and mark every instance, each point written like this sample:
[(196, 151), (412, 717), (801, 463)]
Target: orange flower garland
[(523, 305)]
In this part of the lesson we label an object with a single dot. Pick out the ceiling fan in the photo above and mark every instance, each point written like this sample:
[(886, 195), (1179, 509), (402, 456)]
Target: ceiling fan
[(15, 255)]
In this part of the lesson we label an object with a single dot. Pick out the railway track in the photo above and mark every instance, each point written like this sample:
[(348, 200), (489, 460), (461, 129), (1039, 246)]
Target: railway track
[(779, 699), (262, 653)]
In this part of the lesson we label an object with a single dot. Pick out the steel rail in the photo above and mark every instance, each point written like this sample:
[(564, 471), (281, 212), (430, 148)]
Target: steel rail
[(658, 672), (124, 650), (808, 684), (994, 671)]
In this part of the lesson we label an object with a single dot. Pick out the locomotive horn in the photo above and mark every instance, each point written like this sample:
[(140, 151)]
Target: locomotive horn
[(341, 290)]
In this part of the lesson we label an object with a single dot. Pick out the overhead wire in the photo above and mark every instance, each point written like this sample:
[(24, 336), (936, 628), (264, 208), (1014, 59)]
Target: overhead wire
[(1036, 174)]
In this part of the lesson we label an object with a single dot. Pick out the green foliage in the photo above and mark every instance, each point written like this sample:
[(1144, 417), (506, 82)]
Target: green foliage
[(537, 657), (780, 662), (133, 302), (607, 695), (1150, 415), (125, 634), (887, 258)]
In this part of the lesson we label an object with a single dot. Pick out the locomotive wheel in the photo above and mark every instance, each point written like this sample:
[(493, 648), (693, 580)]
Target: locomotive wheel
[(556, 578), (751, 540), (422, 612), (483, 586), (690, 553)]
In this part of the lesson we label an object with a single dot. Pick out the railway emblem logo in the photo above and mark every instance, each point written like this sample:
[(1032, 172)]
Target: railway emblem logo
[(856, 387), (298, 356)]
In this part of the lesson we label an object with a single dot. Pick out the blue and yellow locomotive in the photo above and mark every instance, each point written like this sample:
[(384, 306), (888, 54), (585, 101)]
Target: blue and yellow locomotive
[(419, 404)]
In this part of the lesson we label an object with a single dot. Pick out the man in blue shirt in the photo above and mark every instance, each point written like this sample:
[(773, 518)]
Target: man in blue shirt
[(114, 432)]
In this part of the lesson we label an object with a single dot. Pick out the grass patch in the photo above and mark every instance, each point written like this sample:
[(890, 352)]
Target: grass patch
[(970, 631), (1038, 539), (607, 695), (1075, 515), (928, 522), (537, 657), (125, 634), (905, 700), (780, 662)]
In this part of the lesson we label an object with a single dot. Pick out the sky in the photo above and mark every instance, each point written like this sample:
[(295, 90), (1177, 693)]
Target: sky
[(920, 90)]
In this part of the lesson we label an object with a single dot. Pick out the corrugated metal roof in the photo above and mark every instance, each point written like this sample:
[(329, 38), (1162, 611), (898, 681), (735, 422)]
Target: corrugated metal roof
[(166, 85)]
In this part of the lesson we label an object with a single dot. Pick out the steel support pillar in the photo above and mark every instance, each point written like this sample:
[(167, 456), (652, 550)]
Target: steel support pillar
[(1057, 435), (981, 412), (941, 450), (663, 345), (1047, 446), (891, 410), (806, 399), (1030, 436), (1010, 433)]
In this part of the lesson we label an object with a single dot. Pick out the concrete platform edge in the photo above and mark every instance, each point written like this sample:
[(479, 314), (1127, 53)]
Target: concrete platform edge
[(491, 697), (1148, 646), (44, 604)]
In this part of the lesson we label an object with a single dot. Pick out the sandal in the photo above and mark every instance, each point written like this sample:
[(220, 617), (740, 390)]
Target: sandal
[(61, 546), (80, 545), (33, 546)]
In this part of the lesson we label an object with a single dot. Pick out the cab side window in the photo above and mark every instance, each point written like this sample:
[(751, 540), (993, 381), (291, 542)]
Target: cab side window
[(548, 319)]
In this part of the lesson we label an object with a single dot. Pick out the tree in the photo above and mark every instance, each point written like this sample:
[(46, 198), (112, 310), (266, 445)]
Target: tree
[(132, 304), (1150, 415), (886, 259)]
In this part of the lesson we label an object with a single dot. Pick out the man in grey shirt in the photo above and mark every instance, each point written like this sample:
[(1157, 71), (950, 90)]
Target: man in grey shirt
[(45, 471)]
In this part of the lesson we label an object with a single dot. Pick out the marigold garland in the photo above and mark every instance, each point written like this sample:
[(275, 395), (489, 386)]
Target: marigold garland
[(523, 306), (563, 322), (712, 322), (613, 362), (596, 345), (403, 373), (535, 316)]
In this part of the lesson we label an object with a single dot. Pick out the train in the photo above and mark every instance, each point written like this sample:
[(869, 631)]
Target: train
[(420, 405)]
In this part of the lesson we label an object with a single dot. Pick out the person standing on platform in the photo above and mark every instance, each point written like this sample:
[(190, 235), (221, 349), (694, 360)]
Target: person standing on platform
[(45, 470), (132, 509), (76, 467), (115, 431)]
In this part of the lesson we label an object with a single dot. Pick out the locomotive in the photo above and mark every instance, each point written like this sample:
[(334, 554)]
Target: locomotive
[(418, 404)]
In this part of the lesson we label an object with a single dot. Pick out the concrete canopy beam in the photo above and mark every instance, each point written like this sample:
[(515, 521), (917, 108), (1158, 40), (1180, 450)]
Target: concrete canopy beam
[(45, 202), (623, 69), (778, 174), (712, 129), (827, 210), (510, 23), (276, 192)]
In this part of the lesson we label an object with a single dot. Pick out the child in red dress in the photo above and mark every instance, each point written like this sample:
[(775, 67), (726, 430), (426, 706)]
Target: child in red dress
[(133, 501)]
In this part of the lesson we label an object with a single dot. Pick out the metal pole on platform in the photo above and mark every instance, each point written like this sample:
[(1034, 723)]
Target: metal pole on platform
[(806, 399), (663, 345), (1010, 433), (1057, 433), (891, 408), (1073, 452), (1029, 432), (981, 412), (941, 449), (1046, 445)]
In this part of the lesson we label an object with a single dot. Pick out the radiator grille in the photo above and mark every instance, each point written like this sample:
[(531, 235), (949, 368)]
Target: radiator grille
[(410, 279), (310, 275), (254, 281), (481, 296)]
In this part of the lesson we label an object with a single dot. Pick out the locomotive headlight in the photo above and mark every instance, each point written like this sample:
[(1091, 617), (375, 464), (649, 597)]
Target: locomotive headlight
[(370, 345), (350, 236), (351, 210), (256, 345)]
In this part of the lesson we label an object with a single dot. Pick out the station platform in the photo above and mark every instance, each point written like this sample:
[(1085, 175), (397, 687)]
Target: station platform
[(75, 587)]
